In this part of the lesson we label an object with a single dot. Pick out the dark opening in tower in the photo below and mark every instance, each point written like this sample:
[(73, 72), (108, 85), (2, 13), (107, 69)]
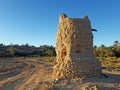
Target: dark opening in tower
[(63, 53)]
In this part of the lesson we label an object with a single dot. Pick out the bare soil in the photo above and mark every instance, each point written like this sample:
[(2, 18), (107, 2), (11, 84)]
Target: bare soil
[(28, 74)]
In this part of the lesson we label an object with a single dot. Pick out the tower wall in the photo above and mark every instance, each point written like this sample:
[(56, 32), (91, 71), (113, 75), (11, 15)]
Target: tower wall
[(74, 48)]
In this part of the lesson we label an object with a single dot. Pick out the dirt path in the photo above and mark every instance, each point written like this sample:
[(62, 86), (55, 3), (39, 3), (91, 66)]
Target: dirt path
[(33, 75)]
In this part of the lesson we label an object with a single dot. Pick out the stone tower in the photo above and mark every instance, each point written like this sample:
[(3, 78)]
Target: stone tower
[(74, 48)]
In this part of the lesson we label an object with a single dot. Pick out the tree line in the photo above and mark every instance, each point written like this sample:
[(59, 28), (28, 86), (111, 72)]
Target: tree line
[(46, 50), (26, 50), (108, 51)]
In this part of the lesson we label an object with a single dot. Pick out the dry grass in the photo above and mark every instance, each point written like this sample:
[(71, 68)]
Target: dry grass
[(50, 60), (110, 63)]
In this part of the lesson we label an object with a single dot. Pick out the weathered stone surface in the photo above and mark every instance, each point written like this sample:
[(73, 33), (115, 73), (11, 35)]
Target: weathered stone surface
[(74, 48)]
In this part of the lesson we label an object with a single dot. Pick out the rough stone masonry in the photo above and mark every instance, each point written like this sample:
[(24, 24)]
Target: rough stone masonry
[(74, 48)]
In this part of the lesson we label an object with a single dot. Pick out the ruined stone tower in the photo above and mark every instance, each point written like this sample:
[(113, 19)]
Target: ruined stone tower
[(74, 48)]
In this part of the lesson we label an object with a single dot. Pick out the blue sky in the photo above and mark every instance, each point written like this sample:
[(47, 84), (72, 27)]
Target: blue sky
[(36, 21)]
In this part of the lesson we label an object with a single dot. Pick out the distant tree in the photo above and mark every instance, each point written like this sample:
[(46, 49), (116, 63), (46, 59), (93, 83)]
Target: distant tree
[(1, 45), (102, 50), (50, 52), (116, 44), (11, 50), (27, 45), (95, 50), (116, 48)]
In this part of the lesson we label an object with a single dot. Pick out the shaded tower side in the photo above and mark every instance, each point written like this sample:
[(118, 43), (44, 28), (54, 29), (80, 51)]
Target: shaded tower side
[(74, 48)]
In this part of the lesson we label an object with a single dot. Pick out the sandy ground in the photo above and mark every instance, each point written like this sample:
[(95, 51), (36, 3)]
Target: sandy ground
[(27, 74)]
